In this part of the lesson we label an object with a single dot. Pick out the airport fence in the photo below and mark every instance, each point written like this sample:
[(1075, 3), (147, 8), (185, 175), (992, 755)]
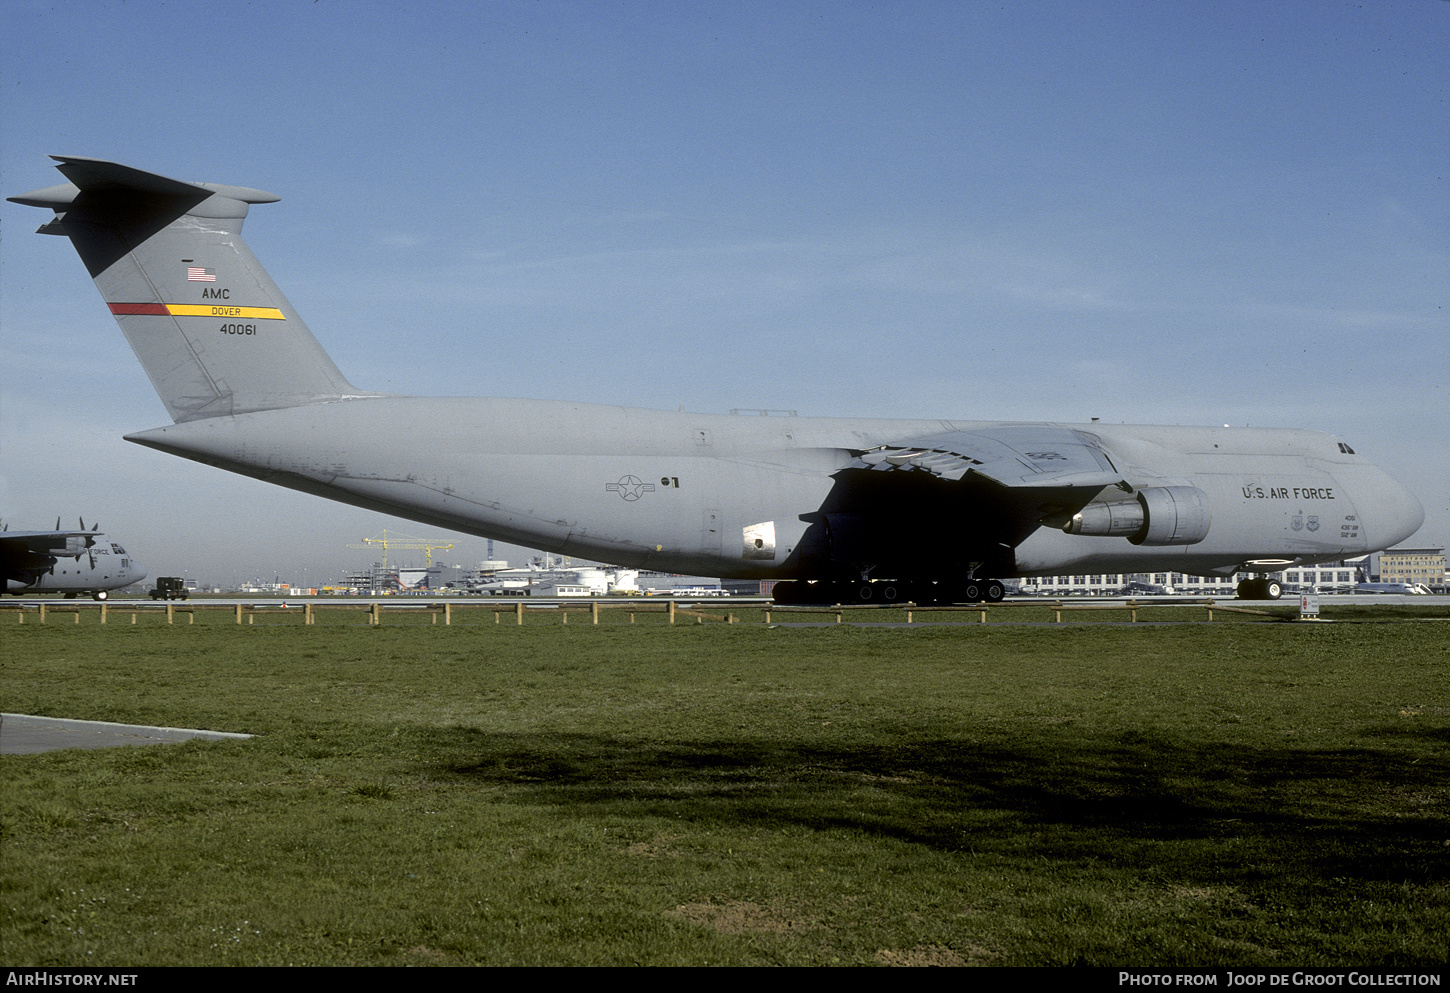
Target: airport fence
[(631, 611)]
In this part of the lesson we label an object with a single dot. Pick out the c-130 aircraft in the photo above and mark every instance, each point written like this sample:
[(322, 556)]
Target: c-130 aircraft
[(840, 510), (67, 562)]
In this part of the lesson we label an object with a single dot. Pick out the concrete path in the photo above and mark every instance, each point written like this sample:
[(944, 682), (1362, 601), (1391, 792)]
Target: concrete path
[(22, 734)]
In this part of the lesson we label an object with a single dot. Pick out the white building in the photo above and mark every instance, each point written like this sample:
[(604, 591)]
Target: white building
[(1322, 577)]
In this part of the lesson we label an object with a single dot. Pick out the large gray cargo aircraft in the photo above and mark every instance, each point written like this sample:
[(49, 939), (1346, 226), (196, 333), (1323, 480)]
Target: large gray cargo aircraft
[(840, 509), (68, 562)]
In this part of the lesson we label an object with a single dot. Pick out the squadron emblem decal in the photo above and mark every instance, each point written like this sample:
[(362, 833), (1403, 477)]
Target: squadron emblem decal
[(630, 487)]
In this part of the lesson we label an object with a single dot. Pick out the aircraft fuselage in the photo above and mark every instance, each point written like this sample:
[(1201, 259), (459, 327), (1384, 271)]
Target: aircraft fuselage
[(687, 492)]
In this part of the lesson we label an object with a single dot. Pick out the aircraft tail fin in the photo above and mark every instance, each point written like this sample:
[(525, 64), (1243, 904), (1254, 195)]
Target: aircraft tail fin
[(214, 333)]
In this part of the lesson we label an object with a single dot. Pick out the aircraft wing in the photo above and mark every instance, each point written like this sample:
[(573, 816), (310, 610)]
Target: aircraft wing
[(63, 543), (1030, 456), (25, 553), (991, 487)]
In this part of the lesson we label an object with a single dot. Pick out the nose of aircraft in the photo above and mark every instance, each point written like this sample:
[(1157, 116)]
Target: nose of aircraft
[(1396, 511)]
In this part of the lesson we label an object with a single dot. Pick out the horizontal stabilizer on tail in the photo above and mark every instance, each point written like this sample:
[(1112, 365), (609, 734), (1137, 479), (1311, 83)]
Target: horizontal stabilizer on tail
[(100, 176), (214, 333)]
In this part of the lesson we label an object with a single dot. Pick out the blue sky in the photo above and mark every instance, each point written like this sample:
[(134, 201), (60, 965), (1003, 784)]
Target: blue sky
[(1229, 213)]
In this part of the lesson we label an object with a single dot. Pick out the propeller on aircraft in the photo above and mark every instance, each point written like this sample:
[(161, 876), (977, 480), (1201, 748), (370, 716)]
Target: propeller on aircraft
[(90, 542)]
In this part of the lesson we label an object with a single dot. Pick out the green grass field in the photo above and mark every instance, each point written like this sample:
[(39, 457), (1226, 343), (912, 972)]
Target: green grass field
[(1229, 794)]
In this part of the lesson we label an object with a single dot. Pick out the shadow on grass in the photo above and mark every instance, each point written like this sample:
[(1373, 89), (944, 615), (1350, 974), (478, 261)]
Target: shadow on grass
[(1193, 812)]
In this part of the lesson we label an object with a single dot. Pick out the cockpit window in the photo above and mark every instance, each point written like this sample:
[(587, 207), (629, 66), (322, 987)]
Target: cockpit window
[(117, 549), (1345, 449)]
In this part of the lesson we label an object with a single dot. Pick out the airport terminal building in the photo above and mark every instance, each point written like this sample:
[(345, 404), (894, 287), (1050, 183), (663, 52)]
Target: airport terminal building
[(1423, 566), (1322, 577), (1415, 566)]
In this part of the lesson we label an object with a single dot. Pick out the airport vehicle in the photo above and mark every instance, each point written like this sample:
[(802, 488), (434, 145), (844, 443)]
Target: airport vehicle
[(838, 509), (69, 562), (168, 588)]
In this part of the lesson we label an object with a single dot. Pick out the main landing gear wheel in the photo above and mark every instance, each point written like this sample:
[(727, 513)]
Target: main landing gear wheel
[(884, 591), (1260, 589), (983, 591), (787, 591)]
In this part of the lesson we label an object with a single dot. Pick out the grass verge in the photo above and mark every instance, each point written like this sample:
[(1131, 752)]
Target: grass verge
[(1226, 794)]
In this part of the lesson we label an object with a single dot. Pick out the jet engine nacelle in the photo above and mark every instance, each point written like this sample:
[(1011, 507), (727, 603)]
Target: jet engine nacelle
[(1162, 515)]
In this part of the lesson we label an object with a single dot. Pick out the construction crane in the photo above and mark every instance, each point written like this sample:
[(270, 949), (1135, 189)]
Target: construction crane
[(426, 545)]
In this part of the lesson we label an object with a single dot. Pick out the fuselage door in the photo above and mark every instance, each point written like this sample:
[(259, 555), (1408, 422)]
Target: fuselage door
[(710, 532)]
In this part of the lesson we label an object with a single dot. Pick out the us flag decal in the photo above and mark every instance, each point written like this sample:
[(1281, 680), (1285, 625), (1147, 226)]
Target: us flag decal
[(200, 274)]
